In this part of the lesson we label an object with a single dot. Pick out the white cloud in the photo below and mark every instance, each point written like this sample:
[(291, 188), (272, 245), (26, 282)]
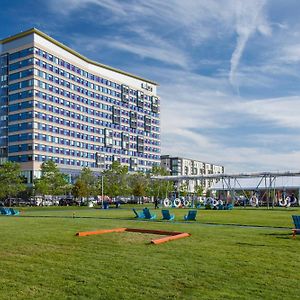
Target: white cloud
[(196, 107), (148, 45), (154, 22), (249, 19), (67, 7), (291, 53), (142, 47), (283, 112)]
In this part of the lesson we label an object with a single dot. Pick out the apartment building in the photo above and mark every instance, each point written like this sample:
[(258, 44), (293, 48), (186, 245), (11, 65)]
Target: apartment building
[(185, 166), (57, 104)]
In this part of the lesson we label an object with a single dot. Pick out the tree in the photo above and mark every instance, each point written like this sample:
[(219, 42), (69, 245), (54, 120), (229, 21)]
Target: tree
[(199, 190), (79, 189), (52, 181), (115, 180), (158, 188), (139, 183), (11, 181), (208, 193), (184, 188), (86, 184)]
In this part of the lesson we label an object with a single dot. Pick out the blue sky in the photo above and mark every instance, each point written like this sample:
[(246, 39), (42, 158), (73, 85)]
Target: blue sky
[(229, 70)]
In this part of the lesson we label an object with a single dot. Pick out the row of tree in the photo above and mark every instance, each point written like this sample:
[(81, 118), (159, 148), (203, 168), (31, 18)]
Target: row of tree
[(116, 181)]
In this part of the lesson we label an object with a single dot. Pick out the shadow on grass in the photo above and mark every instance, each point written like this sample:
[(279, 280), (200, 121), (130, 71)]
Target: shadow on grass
[(285, 236), (279, 209), (160, 221), (245, 225), (251, 244)]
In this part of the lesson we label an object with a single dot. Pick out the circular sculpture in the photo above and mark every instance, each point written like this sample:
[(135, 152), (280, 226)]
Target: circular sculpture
[(212, 201), (295, 200), (177, 202), (253, 201), (186, 202), (288, 201), (284, 202), (167, 202)]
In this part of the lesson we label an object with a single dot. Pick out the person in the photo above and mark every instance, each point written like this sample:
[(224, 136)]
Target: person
[(292, 199), (117, 203), (155, 203)]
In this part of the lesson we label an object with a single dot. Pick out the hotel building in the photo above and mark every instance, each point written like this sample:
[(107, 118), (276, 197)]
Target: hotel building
[(57, 104), (185, 166)]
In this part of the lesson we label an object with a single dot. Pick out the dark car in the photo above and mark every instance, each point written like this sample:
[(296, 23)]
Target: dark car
[(15, 202), (68, 202)]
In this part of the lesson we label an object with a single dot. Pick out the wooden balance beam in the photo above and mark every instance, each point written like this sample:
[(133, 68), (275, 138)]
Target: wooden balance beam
[(171, 235)]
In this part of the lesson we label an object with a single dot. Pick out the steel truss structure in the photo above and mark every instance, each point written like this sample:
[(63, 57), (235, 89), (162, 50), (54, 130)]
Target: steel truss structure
[(231, 183)]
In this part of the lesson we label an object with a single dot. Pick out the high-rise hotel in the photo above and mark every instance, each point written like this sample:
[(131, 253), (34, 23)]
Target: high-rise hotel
[(57, 104)]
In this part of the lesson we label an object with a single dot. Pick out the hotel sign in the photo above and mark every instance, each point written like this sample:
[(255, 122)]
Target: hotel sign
[(146, 87)]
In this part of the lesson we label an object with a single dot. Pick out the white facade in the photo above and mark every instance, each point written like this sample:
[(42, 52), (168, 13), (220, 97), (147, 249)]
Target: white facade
[(186, 166)]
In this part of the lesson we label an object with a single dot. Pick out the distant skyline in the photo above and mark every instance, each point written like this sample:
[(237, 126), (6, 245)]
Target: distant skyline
[(228, 70)]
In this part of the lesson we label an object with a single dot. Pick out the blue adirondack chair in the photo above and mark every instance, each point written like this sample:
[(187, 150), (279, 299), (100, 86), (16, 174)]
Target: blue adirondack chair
[(228, 206), (166, 215), (5, 211), (14, 212), (148, 215), (191, 216), (296, 230), (139, 215), (220, 206)]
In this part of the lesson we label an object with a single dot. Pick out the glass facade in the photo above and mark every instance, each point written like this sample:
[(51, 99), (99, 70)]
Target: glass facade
[(3, 108), (52, 108)]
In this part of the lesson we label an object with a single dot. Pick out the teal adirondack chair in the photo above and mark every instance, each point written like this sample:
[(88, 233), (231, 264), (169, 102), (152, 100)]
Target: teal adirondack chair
[(5, 211), (139, 215), (148, 215), (166, 215), (14, 212), (191, 216), (228, 206), (296, 230)]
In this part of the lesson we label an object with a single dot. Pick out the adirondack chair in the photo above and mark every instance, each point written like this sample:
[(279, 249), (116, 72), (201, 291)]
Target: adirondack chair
[(166, 215), (228, 206), (220, 206), (191, 216), (296, 230), (5, 211), (14, 212), (139, 215), (148, 215)]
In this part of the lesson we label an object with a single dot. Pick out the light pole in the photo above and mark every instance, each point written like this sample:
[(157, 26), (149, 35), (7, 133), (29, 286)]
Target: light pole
[(102, 189)]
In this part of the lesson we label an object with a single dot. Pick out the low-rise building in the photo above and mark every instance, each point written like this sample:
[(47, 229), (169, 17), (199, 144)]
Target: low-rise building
[(186, 166)]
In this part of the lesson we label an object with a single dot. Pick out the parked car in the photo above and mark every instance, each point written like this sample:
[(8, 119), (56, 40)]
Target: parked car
[(15, 202), (36, 201), (122, 200), (69, 201)]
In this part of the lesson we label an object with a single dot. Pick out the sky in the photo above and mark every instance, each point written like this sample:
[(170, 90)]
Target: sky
[(228, 70)]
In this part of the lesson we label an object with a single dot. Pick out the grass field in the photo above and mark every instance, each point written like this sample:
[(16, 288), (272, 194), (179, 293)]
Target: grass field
[(239, 254)]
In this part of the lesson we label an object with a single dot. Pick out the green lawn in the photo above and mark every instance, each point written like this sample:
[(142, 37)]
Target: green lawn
[(41, 258)]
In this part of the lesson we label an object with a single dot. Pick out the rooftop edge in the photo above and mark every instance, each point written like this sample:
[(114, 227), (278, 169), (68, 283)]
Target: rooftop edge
[(52, 40)]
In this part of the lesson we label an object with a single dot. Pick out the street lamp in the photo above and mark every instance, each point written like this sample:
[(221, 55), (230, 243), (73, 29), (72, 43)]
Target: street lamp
[(102, 189)]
